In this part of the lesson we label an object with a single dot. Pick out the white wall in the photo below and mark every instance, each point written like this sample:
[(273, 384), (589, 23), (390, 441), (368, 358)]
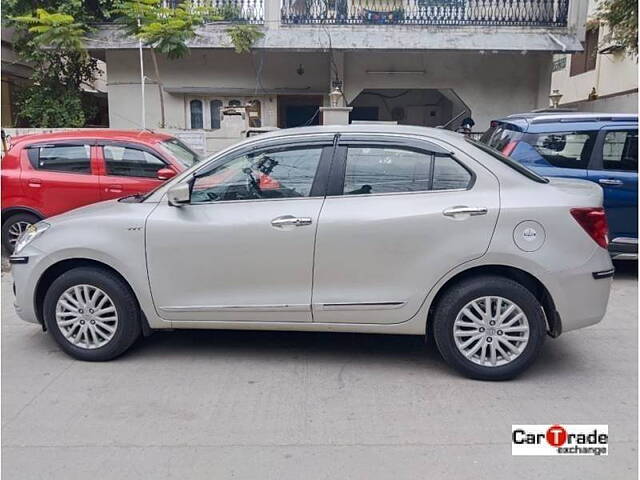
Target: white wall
[(492, 85)]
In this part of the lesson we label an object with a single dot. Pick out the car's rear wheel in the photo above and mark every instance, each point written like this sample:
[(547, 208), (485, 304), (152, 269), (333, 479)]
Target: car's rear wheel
[(13, 227), (489, 327), (92, 314)]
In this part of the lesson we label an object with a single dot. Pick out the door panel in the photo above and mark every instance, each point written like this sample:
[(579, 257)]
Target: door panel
[(127, 171), (243, 249), (377, 256), (615, 169), (226, 261), (58, 177)]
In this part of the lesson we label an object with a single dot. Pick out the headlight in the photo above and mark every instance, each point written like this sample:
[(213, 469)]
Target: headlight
[(29, 235)]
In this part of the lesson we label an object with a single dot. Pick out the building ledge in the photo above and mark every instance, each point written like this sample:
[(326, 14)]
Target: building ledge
[(369, 37)]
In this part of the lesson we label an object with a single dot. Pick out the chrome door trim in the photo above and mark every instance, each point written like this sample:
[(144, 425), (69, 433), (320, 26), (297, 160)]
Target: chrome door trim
[(238, 308), (625, 240), (359, 305), (464, 210)]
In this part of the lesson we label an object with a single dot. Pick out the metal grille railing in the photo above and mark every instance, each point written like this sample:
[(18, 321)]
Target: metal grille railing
[(250, 11), (543, 13)]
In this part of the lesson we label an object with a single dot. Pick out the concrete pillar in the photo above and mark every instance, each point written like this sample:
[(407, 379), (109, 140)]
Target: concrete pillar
[(335, 115), (272, 15)]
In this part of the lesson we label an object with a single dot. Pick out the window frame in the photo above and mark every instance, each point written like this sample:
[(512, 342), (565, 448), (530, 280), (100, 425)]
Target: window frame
[(35, 147), (339, 163), (321, 176), (134, 146), (585, 61), (597, 161)]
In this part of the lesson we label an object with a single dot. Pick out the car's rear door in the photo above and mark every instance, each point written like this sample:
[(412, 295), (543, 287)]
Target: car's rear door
[(614, 167), (242, 250), (59, 176), (128, 168), (400, 212)]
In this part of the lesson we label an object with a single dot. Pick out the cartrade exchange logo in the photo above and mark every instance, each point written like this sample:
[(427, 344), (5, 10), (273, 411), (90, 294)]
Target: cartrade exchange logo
[(560, 440)]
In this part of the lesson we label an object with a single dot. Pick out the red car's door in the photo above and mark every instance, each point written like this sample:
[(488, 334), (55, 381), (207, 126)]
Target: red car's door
[(59, 176), (127, 169)]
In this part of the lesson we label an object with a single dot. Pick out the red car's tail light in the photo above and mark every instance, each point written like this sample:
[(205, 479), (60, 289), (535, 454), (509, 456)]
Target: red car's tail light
[(594, 222), (509, 147)]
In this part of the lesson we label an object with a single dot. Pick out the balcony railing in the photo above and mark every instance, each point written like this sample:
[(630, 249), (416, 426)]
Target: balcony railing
[(542, 13), (250, 11)]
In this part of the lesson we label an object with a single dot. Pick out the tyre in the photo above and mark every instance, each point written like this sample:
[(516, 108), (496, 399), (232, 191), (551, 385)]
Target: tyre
[(13, 226), (92, 314), (489, 327)]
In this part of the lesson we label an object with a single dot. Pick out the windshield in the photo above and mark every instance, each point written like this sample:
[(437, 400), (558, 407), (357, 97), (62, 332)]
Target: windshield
[(181, 152), (509, 162)]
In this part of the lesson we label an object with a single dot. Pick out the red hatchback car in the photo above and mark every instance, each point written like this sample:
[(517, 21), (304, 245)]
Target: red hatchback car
[(48, 174)]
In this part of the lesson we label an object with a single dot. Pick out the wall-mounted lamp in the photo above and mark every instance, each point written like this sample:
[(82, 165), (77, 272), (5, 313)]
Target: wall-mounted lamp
[(555, 97), (300, 70)]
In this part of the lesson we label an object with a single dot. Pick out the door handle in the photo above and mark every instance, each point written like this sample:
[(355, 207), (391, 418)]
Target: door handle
[(35, 182), (114, 189), (610, 181), (290, 221), (464, 210)]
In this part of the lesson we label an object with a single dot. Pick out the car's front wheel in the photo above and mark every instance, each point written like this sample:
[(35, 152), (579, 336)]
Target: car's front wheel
[(14, 226), (489, 327), (92, 314)]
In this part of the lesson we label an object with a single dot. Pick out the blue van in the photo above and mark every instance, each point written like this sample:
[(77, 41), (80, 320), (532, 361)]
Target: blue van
[(600, 147)]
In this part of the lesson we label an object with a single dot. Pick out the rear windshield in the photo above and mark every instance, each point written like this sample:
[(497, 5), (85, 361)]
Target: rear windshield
[(509, 162), (500, 135)]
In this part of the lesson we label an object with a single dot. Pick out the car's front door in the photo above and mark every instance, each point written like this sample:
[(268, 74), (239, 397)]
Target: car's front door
[(614, 167), (128, 169), (242, 250), (398, 216)]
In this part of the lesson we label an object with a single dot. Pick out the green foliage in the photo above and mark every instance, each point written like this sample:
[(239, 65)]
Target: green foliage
[(58, 30), (244, 36), (46, 106), (51, 39), (621, 16), (167, 30)]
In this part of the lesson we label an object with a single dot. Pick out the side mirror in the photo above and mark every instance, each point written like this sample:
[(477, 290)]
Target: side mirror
[(165, 173), (179, 194)]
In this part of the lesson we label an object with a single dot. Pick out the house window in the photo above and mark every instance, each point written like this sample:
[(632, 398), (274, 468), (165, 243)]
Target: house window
[(235, 103), (197, 117), (215, 106), (586, 61)]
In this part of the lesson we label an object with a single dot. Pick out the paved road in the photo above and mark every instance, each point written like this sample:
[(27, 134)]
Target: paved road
[(217, 405)]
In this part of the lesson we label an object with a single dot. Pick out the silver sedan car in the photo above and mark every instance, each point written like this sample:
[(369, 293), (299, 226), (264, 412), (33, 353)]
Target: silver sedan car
[(376, 229)]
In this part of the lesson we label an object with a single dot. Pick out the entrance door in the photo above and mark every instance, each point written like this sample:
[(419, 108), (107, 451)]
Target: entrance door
[(298, 110), (242, 250)]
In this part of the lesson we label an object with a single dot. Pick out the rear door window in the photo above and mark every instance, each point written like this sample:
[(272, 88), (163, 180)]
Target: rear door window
[(564, 149), (61, 158), (620, 150)]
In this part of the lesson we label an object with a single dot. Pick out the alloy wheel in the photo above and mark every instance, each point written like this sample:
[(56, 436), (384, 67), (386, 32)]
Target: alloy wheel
[(491, 331), (86, 316), (15, 230)]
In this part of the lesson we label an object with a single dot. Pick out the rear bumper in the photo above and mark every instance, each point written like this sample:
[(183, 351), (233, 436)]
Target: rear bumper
[(581, 295), (624, 248)]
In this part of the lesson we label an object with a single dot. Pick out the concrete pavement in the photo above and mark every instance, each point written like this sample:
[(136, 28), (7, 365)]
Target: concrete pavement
[(244, 405)]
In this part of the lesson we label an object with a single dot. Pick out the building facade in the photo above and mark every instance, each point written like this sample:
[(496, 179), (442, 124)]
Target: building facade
[(602, 78), (420, 62)]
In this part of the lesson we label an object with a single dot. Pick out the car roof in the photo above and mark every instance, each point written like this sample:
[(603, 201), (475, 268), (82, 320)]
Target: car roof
[(364, 128), (142, 136), (541, 121)]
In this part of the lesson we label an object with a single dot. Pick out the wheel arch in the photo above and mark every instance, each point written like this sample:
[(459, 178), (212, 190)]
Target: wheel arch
[(527, 280), (55, 270), (11, 211)]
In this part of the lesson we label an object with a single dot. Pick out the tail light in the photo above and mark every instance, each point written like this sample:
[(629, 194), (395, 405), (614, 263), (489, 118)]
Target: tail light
[(509, 147), (594, 222)]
